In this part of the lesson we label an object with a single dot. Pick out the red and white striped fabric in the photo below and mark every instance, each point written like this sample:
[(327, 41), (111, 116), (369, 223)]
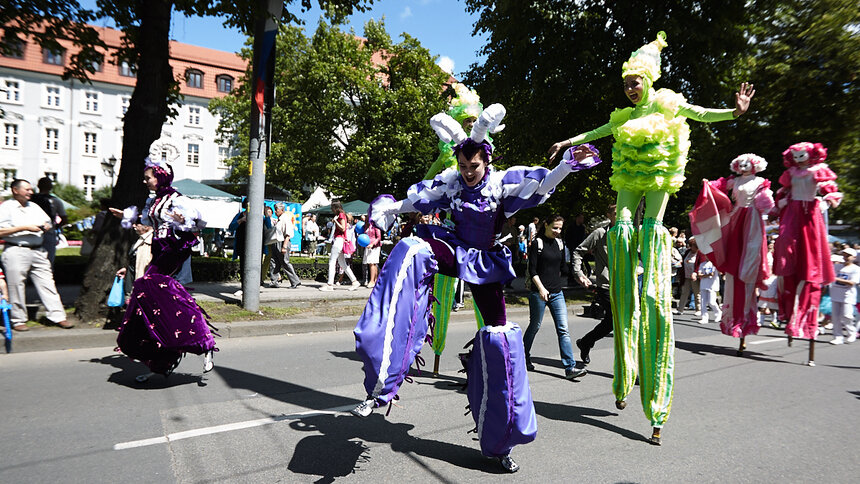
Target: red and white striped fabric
[(709, 221)]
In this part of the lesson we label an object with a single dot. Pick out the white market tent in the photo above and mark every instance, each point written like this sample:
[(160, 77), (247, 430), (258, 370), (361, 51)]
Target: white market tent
[(218, 207), (317, 199)]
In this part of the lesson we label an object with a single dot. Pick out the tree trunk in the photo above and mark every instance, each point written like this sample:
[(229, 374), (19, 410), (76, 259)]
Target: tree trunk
[(147, 112)]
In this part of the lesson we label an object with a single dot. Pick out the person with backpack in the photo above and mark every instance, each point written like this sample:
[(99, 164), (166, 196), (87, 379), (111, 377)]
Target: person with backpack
[(546, 267), (55, 210)]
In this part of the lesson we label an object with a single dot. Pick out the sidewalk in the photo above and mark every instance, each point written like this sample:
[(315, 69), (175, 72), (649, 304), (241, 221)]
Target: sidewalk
[(46, 338)]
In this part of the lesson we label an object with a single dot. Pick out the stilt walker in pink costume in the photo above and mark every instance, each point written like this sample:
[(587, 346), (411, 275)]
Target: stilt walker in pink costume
[(802, 253), (740, 252), (393, 326)]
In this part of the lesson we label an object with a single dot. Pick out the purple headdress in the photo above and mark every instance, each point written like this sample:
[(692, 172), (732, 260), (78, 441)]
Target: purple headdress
[(469, 147), (163, 173)]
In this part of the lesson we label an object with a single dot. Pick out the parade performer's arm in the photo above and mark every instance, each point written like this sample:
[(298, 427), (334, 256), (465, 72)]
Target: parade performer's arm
[(601, 132), (826, 180), (526, 187), (709, 115), (184, 217)]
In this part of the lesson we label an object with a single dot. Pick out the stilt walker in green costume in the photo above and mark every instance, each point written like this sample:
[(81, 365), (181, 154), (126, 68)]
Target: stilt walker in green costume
[(465, 109), (648, 159)]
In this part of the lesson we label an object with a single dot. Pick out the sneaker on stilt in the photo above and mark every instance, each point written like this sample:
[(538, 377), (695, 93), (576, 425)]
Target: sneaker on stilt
[(508, 464), (365, 408), (207, 362)]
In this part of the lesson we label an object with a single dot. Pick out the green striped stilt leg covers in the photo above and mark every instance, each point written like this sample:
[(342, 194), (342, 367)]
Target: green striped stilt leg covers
[(444, 288), (656, 336), (623, 295)]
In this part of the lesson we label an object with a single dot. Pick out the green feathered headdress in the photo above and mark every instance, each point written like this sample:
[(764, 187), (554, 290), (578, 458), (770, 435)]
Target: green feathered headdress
[(645, 62)]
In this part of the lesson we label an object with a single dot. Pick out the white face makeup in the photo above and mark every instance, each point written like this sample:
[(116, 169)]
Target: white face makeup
[(745, 166), (800, 156)]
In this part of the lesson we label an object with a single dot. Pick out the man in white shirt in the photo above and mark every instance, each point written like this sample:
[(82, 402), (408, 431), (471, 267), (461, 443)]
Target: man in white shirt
[(312, 234), (843, 297), (22, 225), (284, 231)]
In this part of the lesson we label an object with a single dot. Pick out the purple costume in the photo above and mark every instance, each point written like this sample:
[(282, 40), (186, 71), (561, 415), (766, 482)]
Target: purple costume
[(394, 324), (162, 320)]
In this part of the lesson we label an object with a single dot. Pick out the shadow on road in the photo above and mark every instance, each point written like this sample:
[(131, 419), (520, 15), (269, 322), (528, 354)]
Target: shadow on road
[(335, 453), (130, 369), (707, 349), (348, 355), (584, 415)]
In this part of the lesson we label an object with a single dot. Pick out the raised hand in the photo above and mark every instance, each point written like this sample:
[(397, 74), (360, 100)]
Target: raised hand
[(743, 98)]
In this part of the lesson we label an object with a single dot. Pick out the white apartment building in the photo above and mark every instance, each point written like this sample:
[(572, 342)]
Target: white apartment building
[(72, 131)]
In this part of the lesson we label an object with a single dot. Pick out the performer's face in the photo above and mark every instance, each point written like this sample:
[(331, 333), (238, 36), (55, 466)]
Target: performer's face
[(553, 230), (633, 87), (468, 123), (150, 181), (472, 170)]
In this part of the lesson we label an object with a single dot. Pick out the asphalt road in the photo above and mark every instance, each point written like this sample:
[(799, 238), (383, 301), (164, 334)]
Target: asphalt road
[(272, 411)]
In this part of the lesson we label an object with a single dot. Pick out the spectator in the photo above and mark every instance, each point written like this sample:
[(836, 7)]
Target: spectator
[(546, 267), (595, 244), (574, 235), (57, 213), (284, 231), (843, 297), (339, 229), (709, 286), (22, 225), (372, 252), (312, 234), (690, 280), (270, 242), (533, 230)]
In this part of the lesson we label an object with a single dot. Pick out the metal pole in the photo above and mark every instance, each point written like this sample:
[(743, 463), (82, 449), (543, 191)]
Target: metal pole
[(262, 98)]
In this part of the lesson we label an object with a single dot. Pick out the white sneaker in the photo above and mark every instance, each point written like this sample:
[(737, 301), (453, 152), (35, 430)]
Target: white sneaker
[(326, 288), (697, 314), (704, 319), (718, 317), (828, 326), (355, 285), (364, 409), (837, 340), (851, 338), (207, 362)]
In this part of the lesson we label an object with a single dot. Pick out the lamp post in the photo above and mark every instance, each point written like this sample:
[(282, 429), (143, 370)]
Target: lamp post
[(108, 167)]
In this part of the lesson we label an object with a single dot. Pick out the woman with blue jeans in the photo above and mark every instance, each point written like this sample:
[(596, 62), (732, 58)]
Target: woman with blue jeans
[(546, 267)]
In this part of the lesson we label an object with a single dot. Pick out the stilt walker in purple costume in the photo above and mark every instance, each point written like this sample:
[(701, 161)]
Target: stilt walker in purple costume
[(394, 324), (162, 321)]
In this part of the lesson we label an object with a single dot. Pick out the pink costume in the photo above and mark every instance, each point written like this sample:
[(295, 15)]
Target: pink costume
[(738, 249), (801, 253)]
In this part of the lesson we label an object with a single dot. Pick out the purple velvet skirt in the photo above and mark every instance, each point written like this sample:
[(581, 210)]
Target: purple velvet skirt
[(498, 390), (162, 320)]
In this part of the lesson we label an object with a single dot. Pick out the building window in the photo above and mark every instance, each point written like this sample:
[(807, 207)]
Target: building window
[(13, 91), (52, 175), (223, 154), (96, 65), (10, 140), (164, 155), (54, 57), (126, 69), (89, 186), (194, 116), (194, 78), (225, 83), (14, 48), (52, 96), (193, 154), (9, 175), (52, 139), (91, 102), (124, 101), (90, 144)]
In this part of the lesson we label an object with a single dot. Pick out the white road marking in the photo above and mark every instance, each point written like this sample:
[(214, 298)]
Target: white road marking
[(767, 340), (188, 434)]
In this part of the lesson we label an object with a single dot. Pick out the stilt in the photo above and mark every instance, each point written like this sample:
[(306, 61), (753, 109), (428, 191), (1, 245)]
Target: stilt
[(811, 353), (655, 437), (620, 404), (436, 365), (742, 346), (790, 339)]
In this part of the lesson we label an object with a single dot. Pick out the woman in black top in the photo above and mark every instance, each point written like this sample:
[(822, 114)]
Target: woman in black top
[(546, 266)]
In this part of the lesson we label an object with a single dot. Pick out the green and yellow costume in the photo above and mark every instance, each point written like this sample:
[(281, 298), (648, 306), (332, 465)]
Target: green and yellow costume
[(648, 160)]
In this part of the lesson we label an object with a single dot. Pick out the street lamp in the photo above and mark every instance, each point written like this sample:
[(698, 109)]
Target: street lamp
[(108, 167)]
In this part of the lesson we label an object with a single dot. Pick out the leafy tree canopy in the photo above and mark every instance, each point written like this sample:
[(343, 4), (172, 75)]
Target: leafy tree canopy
[(351, 114)]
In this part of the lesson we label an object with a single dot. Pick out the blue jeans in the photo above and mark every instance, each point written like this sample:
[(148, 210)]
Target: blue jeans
[(558, 310)]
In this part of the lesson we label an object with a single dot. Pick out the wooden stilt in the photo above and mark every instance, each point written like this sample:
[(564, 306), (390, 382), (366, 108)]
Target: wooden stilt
[(790, 339), (811, 353), (742, 346), (436, 366)]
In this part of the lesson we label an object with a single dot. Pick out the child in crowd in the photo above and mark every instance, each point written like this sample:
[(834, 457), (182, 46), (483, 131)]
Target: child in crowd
[(843, 297), (709, 286)]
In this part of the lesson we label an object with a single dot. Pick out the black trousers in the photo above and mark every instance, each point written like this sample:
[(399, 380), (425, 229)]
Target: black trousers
[(604, 327)]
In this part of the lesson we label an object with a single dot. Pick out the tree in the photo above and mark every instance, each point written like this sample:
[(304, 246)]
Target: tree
[(146, 27), (351, 114), (557, 67)]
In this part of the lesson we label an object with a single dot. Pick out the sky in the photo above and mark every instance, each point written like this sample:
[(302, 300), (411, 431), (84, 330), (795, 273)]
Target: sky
[(442, 26)]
